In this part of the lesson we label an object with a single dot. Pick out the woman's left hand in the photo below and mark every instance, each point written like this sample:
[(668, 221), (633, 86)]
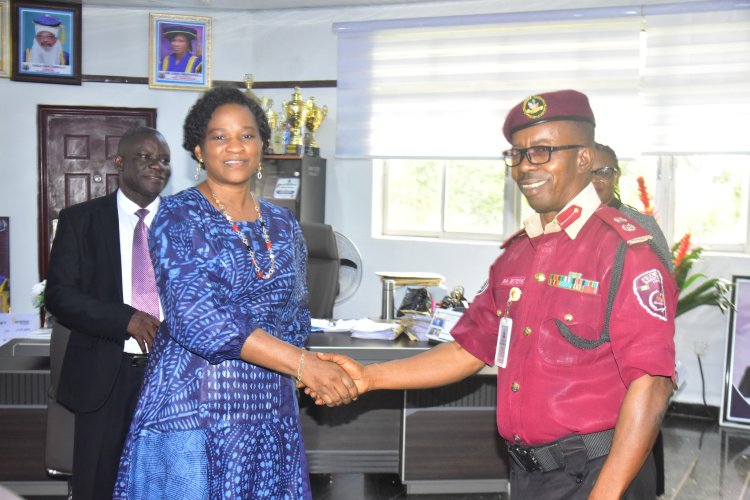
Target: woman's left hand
[(330, 383)]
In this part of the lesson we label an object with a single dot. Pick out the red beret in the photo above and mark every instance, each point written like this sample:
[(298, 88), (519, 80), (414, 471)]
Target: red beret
[(542, 108)]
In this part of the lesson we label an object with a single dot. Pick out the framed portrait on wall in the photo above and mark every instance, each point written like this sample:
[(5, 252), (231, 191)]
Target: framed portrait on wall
[(735, 404), (45, 41), (4, 39), (179, 52), (4, 264)]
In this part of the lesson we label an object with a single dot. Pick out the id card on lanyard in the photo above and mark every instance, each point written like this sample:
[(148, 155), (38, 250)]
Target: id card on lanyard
[(504, 330)]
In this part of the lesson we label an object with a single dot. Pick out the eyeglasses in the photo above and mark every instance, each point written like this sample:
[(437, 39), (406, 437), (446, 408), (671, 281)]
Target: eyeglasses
[(605, 172), (536, 155)]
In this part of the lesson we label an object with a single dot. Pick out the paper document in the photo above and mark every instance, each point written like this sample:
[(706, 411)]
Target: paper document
[(330, 325), (369, 329), (416, 326)]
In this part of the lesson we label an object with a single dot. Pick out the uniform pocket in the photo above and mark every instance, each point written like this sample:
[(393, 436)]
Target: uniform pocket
[(579, 317)]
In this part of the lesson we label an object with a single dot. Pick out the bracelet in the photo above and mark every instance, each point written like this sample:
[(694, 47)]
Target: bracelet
[(301, 365)]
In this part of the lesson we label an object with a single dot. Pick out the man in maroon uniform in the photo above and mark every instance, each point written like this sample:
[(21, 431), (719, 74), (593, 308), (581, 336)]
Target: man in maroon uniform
[(578, 316)]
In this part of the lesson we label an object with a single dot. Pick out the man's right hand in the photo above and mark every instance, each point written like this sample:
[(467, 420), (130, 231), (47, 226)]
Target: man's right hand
[(329, 382), (355, 371), (142, 327)]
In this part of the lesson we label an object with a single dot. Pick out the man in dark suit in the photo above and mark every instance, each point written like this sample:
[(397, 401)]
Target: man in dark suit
[(100, 285)]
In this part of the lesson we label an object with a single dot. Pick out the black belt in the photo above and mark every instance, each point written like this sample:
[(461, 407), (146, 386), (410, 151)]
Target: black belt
[(550, 457), (136, 359)]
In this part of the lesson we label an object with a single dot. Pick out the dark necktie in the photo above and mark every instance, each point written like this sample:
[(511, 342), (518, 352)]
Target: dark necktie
[(145, 297)]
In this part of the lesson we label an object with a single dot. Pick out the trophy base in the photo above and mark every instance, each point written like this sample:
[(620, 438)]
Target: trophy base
[(293, 149)]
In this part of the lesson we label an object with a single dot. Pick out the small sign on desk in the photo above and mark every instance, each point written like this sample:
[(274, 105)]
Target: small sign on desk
[(17, 325), (286, 188)]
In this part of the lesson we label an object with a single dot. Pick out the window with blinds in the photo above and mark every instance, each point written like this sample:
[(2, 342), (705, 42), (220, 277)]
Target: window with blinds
[(443, 91), (696, 82), (668, 85)]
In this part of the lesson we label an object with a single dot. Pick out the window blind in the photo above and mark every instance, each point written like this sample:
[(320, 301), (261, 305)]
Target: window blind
[(658, 82), (696, 84), (444, 91)]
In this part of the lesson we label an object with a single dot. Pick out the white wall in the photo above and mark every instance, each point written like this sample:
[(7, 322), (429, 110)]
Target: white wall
[(281, 46)]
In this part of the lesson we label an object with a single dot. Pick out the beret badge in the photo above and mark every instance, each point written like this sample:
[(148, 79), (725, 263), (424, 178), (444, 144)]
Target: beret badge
[(534, 107)]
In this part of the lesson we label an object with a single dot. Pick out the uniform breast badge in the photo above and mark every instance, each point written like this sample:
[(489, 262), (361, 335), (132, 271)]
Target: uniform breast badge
[(575, 282)]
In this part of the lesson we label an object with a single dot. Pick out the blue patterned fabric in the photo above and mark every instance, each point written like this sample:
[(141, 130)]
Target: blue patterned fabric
[(209, 425)]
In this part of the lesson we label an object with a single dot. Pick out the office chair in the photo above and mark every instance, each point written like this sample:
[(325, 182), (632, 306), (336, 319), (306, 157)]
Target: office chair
[(58, 455), (322, 268)]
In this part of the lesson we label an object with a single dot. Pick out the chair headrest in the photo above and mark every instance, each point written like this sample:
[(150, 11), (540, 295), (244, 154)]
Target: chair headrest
[(320, 239)]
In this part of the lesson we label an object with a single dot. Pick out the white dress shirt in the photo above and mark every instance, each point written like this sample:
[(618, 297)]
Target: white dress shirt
[(127, 218)]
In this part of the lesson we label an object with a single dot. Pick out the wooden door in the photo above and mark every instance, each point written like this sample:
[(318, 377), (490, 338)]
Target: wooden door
[(76, 146)]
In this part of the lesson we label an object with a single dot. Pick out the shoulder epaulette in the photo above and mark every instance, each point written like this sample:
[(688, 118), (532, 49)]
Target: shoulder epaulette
[(513, 237), (624, 226)]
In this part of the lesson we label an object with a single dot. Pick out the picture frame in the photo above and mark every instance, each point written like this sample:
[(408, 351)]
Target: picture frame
[(4, 39), (45, 41), (735, 404), (4, 264), (179, 52)]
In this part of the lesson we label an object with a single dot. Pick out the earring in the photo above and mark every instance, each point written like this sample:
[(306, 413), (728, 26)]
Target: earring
[(198, 169), (260, 170)]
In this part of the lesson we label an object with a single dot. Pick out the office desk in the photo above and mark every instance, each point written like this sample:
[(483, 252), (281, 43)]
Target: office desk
[(24, 380), (438, 440)]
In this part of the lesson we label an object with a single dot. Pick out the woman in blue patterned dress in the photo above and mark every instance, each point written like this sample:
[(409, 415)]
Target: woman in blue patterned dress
[(217, 415)]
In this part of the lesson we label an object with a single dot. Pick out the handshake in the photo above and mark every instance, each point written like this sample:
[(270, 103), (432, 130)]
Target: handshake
[(331, 379)]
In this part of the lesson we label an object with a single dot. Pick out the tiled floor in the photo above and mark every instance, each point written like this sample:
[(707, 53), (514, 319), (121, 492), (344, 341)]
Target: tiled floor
[(703, 462)]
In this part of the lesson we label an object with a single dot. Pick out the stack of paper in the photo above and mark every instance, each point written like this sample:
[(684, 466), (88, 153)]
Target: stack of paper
[(369, 329), (414, 279), (330, 325), (416, 325)]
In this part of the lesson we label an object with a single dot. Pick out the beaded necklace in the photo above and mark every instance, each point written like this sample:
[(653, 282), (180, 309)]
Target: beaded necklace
[(245, 241)]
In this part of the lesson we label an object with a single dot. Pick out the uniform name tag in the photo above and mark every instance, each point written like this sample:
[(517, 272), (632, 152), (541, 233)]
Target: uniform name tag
[(503, 341)]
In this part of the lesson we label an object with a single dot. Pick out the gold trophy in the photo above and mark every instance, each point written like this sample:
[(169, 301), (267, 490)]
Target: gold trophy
[(295, 112), (249, 81), (273, 122), (315, 116)]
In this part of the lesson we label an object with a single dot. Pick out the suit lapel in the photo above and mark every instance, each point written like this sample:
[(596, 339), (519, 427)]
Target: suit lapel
[(111, 236)]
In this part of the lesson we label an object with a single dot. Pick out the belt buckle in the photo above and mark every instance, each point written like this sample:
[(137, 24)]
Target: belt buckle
[(137, 359), (524, 457)]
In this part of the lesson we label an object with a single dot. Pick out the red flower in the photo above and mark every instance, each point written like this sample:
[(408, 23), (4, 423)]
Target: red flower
[(682, 250), (644, 196)]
